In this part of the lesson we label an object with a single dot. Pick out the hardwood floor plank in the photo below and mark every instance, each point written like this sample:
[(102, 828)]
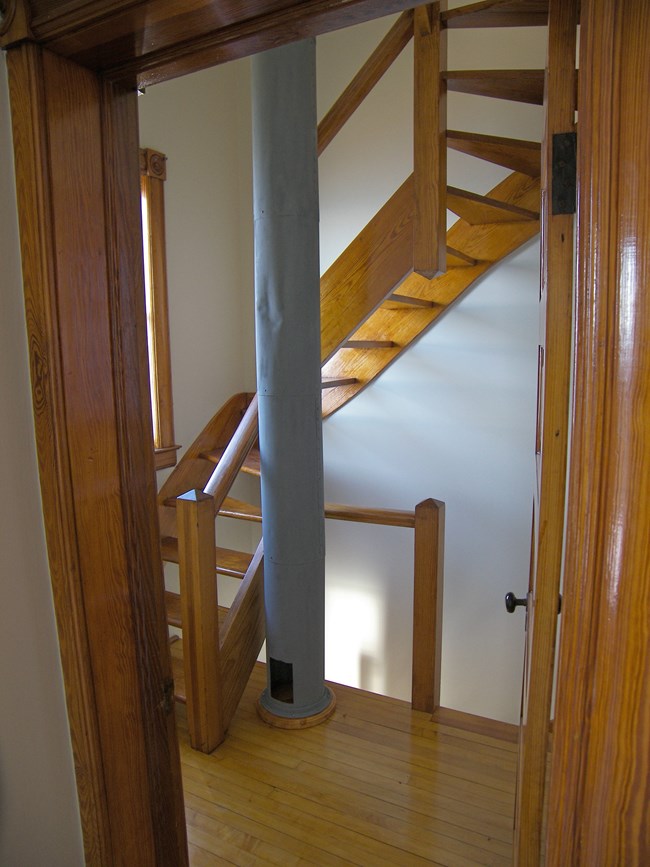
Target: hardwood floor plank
[(378, 784)]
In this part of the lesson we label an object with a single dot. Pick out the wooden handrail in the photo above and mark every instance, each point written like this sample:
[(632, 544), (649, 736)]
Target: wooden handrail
[(364, 515), (363, 82), (221, 480)]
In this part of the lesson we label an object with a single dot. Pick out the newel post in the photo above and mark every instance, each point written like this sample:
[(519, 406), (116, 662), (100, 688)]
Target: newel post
[(200, 618), (427, 604)]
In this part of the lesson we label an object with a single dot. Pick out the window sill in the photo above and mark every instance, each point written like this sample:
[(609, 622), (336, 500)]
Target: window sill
[(165, 457)]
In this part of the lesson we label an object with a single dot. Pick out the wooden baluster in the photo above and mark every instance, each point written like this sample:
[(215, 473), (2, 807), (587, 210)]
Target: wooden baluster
[(200, 617), (427, 604), (430, 141)]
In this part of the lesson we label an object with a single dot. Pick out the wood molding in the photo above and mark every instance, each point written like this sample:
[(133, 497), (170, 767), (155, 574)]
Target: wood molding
[(598, 807), (143, 42), (14, 23), (480, 725), (75, 142)]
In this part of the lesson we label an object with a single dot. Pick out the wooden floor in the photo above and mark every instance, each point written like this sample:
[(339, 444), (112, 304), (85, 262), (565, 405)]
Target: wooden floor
[(377, 784)]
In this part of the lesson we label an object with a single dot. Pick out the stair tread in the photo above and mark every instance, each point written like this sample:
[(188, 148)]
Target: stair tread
[(233, 508), (476, 209), (516, 154), (398, 300), (519, 85), (229, 562), (174, 612), (368, 344), (337, 381), (251, 464), (498, 13)]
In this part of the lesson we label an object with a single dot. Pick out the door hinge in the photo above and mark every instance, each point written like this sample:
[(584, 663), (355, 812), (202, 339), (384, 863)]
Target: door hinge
[(564, 180)]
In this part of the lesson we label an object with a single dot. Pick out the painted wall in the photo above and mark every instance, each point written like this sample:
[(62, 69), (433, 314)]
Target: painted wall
[(453, 419), (39, 814)]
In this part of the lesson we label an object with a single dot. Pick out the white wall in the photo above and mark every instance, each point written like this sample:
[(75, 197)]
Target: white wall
[(453, 419), (39, 814)]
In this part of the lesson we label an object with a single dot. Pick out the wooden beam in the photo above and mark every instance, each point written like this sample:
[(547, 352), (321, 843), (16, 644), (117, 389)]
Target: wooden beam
[(598, 804), (200, 616), (499, 13), (427, 604), (75, 142), (363, 82), (429, 141), (519, 85), (154, 40), (476, 210), (556, 306), (515, 154)]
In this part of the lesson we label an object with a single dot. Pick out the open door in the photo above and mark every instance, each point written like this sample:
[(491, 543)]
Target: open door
[(554, 382)]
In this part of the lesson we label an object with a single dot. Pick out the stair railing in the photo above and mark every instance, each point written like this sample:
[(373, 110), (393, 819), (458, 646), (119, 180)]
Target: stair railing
[(217, 658)]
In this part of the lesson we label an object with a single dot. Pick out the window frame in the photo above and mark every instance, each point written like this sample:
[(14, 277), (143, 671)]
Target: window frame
[(153, 173)]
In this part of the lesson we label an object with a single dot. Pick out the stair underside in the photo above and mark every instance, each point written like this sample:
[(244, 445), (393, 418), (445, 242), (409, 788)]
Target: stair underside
[(401, 324)]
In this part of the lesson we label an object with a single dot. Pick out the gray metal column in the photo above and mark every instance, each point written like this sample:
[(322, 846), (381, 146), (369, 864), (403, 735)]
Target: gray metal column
[(287, 292)]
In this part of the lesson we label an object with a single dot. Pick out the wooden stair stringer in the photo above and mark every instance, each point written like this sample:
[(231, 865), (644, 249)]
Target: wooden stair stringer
[(487, 243)]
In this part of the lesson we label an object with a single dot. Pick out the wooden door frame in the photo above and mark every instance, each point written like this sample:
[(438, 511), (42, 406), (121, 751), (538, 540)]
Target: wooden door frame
[(601, 753), (128, 612)]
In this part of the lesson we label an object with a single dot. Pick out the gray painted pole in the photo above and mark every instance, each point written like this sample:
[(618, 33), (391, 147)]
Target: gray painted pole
[(287, 296)]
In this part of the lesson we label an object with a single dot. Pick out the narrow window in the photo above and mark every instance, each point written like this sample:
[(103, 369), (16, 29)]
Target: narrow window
[(152, 177)]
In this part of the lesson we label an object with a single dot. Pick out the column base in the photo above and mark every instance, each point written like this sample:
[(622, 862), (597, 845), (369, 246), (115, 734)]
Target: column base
[(288, 722)]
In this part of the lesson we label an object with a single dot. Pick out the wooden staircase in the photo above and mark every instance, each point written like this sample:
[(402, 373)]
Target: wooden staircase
[(374, 304)]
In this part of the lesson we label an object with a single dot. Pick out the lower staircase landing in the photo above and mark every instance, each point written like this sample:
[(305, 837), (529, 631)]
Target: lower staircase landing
[(377, 784)]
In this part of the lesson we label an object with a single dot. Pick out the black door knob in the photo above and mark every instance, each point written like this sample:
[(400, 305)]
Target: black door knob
[(512, 602)]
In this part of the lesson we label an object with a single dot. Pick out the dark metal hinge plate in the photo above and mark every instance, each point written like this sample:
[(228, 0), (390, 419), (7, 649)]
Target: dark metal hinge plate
[(564, 180)]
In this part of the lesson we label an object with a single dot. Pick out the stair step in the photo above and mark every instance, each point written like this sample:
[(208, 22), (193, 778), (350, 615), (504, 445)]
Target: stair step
[(368, 344), (229, 562), (476, 209), (233, 508), (516, 154), (498, 13), (519, 85), (336, 381), (178, 669), (458, 259), (251, 465), (174, 612), (409, 300)]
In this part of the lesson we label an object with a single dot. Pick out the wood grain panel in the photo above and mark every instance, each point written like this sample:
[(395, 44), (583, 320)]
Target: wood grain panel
[(556, 318), (85, 341), (27, 95), (598, 808), (147, 41), (375, 262), (429, 140), (401, 324), (499, 13)]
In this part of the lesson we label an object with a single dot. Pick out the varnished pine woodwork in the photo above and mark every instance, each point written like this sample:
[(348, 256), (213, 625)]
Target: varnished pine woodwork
[(516, 154), (228, 562), (174, 613), (475, 209), (499, 13), (363, 82), (598, 805), (372, 266), (368, 344), (519, 85), (199, 612), (152, 177), (397, 298), (557, 262), (429, 142), (235, 454), (376, 783), (428, 582), (332, 382), (458, 259), (193, 471), (76, 165), (487, 244), (243, 634), (150, 41), (251, 463)]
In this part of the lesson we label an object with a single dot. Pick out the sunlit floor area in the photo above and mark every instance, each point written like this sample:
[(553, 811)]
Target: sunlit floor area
[(377, 784)]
